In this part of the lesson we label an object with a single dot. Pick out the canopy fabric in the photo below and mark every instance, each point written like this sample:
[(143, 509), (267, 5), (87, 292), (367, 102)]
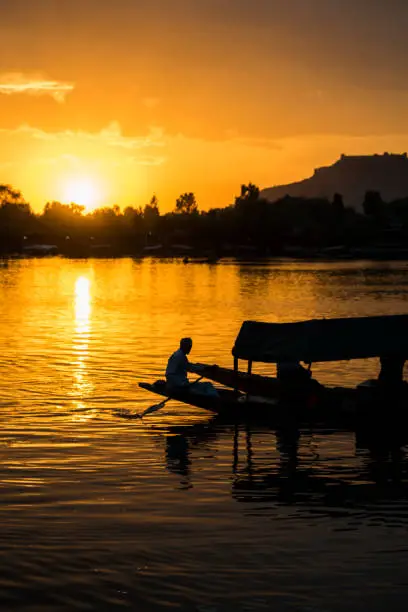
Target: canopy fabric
[(323, 339)]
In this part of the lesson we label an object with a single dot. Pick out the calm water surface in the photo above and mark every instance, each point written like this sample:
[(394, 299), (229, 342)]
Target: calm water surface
[(181, 511)]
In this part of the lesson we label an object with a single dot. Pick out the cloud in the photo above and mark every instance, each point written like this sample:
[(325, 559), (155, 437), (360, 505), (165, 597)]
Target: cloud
[(148, 160), (34, 85), (113, 136), (69, 148), (110, 136)]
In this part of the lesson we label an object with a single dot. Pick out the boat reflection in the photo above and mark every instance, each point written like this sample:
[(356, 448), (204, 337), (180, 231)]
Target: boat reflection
[(289, 467), (178, 458), (180, 443)]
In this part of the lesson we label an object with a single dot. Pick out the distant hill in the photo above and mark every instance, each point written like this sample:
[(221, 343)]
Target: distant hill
[(351, 176)]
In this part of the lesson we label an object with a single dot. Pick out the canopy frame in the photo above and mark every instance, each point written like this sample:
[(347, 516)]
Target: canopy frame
[(320, 340)]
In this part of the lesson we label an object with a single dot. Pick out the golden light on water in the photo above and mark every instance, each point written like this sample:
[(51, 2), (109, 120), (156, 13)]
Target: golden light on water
[(82, 306)]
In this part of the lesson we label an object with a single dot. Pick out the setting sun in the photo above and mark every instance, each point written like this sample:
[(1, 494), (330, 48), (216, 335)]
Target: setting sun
[(82, 191)]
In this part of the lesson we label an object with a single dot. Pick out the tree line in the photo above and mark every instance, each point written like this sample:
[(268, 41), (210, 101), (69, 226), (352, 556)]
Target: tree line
[(250, 224)]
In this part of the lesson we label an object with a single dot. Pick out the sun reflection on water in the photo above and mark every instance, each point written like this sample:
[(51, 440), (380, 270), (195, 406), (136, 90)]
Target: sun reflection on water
[(82, 386), (82, 304)]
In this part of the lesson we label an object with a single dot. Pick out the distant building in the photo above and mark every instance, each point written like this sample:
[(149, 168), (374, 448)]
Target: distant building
[(352, 176)]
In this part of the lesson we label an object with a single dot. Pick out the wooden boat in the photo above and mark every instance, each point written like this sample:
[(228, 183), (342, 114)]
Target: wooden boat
[(255, 384), (320, 340), (310, 341), (237, 406), (306, 401), (350, 409), (310, 392)]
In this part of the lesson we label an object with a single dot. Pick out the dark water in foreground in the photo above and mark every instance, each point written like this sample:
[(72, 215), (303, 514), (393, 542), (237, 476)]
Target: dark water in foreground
[(183, 511)]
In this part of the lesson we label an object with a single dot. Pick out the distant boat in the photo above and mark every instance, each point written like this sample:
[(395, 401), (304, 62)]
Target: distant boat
[(181, 247), (152, 248), (40, 249), (203, 260)]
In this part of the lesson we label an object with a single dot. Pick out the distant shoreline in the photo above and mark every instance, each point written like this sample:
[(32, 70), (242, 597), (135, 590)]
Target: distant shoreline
[(317, 257)]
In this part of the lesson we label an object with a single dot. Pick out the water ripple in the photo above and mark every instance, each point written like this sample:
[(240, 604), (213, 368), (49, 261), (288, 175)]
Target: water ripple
[(181, 510)]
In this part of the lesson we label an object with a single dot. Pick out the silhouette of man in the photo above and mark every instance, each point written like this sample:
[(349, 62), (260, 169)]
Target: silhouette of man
[(177, 367)]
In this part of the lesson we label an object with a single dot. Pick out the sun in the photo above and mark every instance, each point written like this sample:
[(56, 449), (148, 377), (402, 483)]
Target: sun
[(83, 191)]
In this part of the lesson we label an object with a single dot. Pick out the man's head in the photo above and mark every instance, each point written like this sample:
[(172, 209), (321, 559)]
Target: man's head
[(186, 345)]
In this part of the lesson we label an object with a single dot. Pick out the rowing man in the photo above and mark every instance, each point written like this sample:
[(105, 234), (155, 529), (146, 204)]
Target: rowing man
[(177, 368)]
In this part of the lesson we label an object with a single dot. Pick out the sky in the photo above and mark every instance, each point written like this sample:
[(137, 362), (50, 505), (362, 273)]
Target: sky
[(108, 102)]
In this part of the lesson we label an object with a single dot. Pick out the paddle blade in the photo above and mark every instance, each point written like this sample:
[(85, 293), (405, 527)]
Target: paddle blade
[(153, 408), (131, 415), (127, 415)]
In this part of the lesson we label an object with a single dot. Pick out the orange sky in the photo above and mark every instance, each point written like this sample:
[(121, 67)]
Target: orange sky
[(114, 101)]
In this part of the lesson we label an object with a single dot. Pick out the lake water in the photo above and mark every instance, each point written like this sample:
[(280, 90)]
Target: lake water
[(180, 512)]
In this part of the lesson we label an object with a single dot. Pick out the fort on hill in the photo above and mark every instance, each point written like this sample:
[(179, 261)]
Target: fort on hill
[(352, 176)]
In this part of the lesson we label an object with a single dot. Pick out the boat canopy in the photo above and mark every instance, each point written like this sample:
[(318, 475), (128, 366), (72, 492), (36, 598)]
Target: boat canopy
[(323, 339)]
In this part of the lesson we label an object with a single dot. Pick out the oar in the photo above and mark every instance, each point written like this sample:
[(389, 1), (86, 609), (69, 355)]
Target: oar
[(155, 407)]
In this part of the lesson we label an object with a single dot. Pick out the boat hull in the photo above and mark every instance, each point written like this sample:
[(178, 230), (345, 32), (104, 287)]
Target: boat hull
[(255, 384), (237, 406), (340, 410), (307, 393)]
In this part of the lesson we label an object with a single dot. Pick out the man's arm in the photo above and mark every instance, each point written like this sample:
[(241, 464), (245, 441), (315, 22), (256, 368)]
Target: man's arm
[(195, 368)]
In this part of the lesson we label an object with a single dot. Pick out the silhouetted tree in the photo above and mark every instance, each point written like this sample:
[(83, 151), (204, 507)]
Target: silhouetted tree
[(132, 215), (398, 209), (250, 223), (373, 204), (338, 204), (106, 213), (56, 210), (154, 202), (14, 211), (63, 219), (186, 203), (16, 218), (151, 213), (249, 195), (9, 195)]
